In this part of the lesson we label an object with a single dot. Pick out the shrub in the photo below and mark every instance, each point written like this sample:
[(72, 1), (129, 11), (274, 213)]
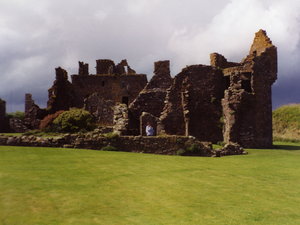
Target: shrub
[(111, 135), (17, 114), (74, 120), (180, 152), (221, 143), (193, 149), (190, 150), (48, 120), (109, 148)]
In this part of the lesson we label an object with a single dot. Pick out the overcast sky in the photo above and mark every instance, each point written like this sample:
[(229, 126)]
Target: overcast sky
[(38, 35)]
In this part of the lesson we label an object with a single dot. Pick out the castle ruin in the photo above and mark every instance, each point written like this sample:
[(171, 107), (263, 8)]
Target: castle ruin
[(2, 115), (225, 101)]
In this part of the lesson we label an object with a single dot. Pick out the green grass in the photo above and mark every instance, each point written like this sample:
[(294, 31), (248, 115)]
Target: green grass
[(12, 134), (64, 186), (286, 122)]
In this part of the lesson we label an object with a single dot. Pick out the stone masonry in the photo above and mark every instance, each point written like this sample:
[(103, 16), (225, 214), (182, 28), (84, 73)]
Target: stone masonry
[(120, 119), (33, 113), (152, 98), (225, 101), (247, 104), (119, 83), (193, 104), (2, 115)]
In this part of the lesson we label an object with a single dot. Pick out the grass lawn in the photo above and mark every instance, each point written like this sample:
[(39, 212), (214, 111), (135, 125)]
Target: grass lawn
[(63, 186)]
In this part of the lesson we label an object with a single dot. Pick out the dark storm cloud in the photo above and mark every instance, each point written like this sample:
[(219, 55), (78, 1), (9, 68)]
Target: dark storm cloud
[(37, 36)]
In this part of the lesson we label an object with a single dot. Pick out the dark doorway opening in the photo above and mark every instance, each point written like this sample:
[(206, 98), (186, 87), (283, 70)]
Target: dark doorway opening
[(125, 100)]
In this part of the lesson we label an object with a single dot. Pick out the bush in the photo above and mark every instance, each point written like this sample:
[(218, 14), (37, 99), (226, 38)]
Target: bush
[(180, 152), (190, 150), (109, 148), (48, 120), (193, 149), (17, 114), (111, 135), (74, 120)]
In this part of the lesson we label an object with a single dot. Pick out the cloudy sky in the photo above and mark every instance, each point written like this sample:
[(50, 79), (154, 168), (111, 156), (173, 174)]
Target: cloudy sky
[(38, 35)]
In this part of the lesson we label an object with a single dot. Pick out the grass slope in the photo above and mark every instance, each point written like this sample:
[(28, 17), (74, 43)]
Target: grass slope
[(64, 186), (286, 122)]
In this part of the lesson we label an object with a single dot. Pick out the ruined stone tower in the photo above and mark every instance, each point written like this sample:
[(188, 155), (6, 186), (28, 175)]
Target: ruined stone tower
[(247, 104)]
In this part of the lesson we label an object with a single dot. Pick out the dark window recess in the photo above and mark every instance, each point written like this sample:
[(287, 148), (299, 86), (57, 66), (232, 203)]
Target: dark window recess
[(123, 85), (103, 83), (227, 82), (246, 85), (125, 100)]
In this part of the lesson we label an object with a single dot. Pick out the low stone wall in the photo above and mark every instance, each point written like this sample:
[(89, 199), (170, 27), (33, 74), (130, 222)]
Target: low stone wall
[(17, 125), (168, 145)]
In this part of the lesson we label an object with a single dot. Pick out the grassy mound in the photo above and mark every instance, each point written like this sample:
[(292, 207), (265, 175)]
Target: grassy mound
[(286, 122), (64, 186)]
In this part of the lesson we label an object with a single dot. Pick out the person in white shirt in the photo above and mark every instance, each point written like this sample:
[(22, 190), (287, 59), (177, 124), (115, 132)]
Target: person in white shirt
[(149, 130)]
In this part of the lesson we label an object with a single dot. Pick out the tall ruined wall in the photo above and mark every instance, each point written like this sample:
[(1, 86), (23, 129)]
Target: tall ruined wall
[(247, 104), (102, 109), (151, 98), (104, 66), (238, 112), (264, 75), (83, 69), (219, 61), (107, 66), (2, 115), (33, 113), (118, 88), (29, 103), (62, 94), (117, 83), (193, 104)]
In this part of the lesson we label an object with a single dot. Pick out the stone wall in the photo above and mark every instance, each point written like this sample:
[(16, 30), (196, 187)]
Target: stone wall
[(17, 125), (219, 61), (247, 105), (97, 93), (118, 88), (33, 113), (201, 101), (3, 120), (118, 83), (62, 94), (193, 104), (105, 66), (83, 69), (152, 98), (120, 119), (101, 109), (168, 145), (29, 103)]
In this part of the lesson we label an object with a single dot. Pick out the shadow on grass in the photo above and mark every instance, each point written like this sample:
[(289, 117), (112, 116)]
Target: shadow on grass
[(287, 147)]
